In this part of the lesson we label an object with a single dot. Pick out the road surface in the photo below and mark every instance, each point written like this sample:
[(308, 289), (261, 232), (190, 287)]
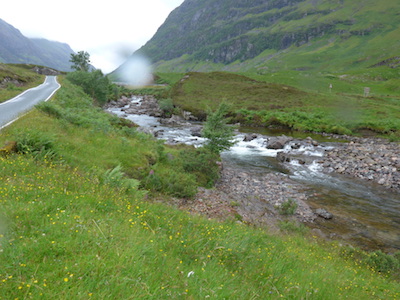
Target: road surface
[(12, 109)]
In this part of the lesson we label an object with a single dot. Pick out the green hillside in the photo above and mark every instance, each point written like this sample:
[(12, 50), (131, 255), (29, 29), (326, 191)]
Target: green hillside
[(268, 36)]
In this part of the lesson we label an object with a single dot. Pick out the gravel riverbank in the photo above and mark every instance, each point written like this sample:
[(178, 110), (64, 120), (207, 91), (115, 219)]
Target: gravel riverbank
[(251, 198), (368, 159)]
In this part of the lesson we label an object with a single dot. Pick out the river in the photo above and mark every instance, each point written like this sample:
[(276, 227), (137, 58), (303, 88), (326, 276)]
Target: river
[(366, 215)]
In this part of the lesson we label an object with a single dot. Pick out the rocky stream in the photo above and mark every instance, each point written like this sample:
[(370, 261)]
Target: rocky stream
[(345, 188)]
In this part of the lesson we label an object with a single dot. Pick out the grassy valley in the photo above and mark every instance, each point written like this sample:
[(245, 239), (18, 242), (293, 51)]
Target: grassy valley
[(85, 214), (296, 100)]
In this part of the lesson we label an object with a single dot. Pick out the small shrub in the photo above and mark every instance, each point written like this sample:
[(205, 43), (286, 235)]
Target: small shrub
[(382, 262), (32, 141), (167, 106), (288, 207), (173, 183), (202, 163), (116, 178), (50, 108)]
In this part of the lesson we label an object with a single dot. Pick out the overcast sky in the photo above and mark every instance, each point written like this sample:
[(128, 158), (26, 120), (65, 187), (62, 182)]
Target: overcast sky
[(108, 30)]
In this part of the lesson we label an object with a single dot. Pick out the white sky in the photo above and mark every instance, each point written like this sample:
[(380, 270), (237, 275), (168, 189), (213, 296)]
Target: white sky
[(109, 30)]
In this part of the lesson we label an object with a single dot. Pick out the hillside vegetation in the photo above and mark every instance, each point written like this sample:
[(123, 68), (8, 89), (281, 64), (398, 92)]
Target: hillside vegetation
[(14, 79), (78, 222), (265, 36), (262, 100)]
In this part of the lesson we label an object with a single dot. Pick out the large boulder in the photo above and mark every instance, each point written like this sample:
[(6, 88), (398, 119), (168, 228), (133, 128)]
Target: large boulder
[(175, 120), (277, 143), (196, 131), (249, 137)]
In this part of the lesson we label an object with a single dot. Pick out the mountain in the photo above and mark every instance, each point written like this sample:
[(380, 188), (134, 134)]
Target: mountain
[(16, 48), (276, 34)]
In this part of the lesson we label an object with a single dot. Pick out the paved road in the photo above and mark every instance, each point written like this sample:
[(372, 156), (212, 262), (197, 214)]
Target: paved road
[(12, 109)]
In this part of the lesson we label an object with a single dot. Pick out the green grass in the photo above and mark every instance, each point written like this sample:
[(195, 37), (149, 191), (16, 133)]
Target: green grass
[(67, 236), (85, 239), (23, 74), (68, 230)]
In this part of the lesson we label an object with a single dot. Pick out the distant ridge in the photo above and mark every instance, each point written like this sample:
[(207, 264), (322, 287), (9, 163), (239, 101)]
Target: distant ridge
[(16, 48)]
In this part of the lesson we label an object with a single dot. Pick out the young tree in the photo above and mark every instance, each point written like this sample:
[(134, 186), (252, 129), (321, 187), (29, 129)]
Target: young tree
[(81, 61), (218, 132), (93, 83)]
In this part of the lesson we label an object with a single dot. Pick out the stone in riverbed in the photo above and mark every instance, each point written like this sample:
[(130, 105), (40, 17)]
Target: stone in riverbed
[(324, 214), (249, 137), (279, 142)]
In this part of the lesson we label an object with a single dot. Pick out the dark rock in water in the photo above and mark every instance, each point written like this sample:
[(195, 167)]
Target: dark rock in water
[(324, 214), (158, 133), (279, 142), (282, 157), (175, 120), (296, 146), (250, 137), (196, 131)]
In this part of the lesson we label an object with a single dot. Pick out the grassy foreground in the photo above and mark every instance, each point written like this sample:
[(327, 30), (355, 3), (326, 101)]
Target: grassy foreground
[(71, 229)]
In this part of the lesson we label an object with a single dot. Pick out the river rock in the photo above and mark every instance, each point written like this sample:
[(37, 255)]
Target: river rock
[(188, 116), (282, 157), (196, 131), (278, 142), (249, 137), (323, 213), (175, 120), (309, 140)]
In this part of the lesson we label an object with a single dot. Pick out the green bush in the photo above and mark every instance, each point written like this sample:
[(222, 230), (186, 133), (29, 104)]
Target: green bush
[(95, 84), (167, 106), (202, 163), (171, 182), (382, 262)]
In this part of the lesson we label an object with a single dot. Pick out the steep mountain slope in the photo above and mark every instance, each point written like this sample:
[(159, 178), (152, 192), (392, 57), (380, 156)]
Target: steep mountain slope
[(16, 48), (277, 34)]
